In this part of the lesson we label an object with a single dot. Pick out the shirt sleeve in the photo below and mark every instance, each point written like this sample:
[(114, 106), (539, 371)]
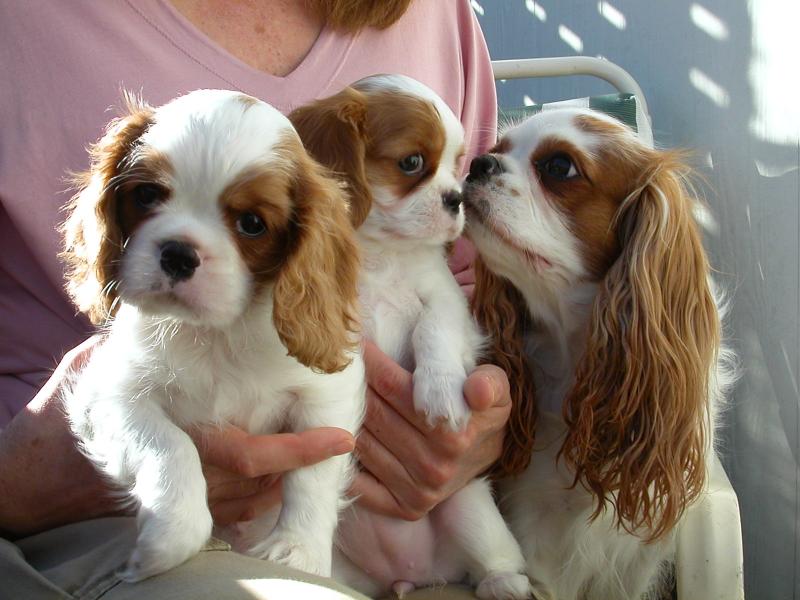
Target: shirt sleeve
[(479, 107)]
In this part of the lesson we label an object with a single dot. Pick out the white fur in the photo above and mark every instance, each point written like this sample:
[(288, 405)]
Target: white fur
[(415, 312), (569, 557), (205, 351)]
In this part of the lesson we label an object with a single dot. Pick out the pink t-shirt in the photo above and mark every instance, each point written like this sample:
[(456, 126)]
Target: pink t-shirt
[(63, 64)]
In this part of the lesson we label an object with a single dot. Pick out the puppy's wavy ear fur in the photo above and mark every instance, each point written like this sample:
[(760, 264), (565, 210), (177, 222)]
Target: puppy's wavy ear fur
[(93, 241), (501, 310), (315, 295), (333, 130), (638, 415)]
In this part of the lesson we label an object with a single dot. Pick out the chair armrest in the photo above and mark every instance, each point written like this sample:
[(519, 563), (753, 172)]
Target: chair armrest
[(709, 558)]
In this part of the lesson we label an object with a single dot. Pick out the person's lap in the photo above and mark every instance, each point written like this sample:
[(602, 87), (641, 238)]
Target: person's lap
[(80, 562)]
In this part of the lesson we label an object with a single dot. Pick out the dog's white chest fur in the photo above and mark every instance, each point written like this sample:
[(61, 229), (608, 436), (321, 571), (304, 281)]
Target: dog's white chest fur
[(389, 292), (239, 377)]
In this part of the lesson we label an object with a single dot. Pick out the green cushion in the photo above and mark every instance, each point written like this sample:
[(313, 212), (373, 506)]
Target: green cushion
[(620, 106)]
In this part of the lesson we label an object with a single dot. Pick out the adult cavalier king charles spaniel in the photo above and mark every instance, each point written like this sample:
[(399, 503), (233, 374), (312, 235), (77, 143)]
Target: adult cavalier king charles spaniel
[(222, 260), (593, 283)]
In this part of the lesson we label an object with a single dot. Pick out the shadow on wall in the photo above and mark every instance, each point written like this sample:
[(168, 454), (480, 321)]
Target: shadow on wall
[(719, 78)]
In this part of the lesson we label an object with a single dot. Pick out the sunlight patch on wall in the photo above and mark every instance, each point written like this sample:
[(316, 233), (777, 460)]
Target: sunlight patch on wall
[(537, 10), (705, 218), (570, 38), (708, 22), (527, 100), (774, 170), (773, 71), (612, 15), (709, 88)]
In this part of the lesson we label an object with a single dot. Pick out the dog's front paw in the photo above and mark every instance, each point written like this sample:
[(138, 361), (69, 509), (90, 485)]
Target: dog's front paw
[(504, 586), (440, 397), (164, 543), (298, 552)]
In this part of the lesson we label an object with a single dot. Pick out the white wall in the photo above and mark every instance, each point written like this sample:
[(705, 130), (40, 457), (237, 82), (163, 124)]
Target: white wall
[(721, 77)]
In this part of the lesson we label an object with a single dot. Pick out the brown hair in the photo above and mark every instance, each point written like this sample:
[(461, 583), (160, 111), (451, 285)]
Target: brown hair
[(93, 241), (353, 15)]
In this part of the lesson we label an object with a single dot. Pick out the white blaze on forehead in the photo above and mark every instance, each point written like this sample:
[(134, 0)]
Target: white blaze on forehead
[(210, 136)]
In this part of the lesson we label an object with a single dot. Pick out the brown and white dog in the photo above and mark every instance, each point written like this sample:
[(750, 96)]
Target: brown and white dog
[(398, 148), (221, 259), (593, 281)]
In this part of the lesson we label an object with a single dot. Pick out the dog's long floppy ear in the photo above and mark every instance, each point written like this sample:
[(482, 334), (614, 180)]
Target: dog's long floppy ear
[(315, 296), (638, 414), (503, 314), (93, 240), (333, 130)]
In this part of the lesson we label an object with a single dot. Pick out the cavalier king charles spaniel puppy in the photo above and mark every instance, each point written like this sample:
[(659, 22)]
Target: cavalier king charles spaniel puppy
[(221, 258), (593, 283), (398, 147)]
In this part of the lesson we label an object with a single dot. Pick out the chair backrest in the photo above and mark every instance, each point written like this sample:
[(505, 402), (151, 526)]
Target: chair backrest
[(629, 105)]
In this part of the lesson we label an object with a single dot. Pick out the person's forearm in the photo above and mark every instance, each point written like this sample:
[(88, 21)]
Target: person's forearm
[(44, 480)]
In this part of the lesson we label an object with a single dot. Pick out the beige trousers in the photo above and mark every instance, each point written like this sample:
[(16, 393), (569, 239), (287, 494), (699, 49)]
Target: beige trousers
[(80, 561)]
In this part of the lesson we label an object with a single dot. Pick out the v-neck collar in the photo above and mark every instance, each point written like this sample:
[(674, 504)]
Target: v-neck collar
[(308, 79)]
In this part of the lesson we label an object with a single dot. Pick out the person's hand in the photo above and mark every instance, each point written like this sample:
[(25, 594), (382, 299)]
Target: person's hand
[(461, 260), (409, 468), (45, 481), (243, 471)]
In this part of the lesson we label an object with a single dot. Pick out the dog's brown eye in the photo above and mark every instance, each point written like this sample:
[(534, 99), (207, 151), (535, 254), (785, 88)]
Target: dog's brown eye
[(250, 225), (148, 195), (558, 166), (413, 164)]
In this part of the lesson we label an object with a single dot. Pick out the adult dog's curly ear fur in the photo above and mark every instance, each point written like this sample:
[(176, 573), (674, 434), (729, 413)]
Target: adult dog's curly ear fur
[(93, 240), (635, 435), (500, 309)]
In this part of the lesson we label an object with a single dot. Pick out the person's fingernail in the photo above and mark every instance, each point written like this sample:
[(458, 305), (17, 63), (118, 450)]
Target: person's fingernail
[(492, 391), (342, 447)]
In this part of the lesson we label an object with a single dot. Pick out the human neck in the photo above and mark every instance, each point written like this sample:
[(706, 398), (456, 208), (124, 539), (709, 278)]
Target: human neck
[(273, 36)]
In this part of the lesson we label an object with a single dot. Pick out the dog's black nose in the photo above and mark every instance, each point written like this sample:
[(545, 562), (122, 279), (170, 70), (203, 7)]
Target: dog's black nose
[(178, 260), (451, 201), (483, 167)]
